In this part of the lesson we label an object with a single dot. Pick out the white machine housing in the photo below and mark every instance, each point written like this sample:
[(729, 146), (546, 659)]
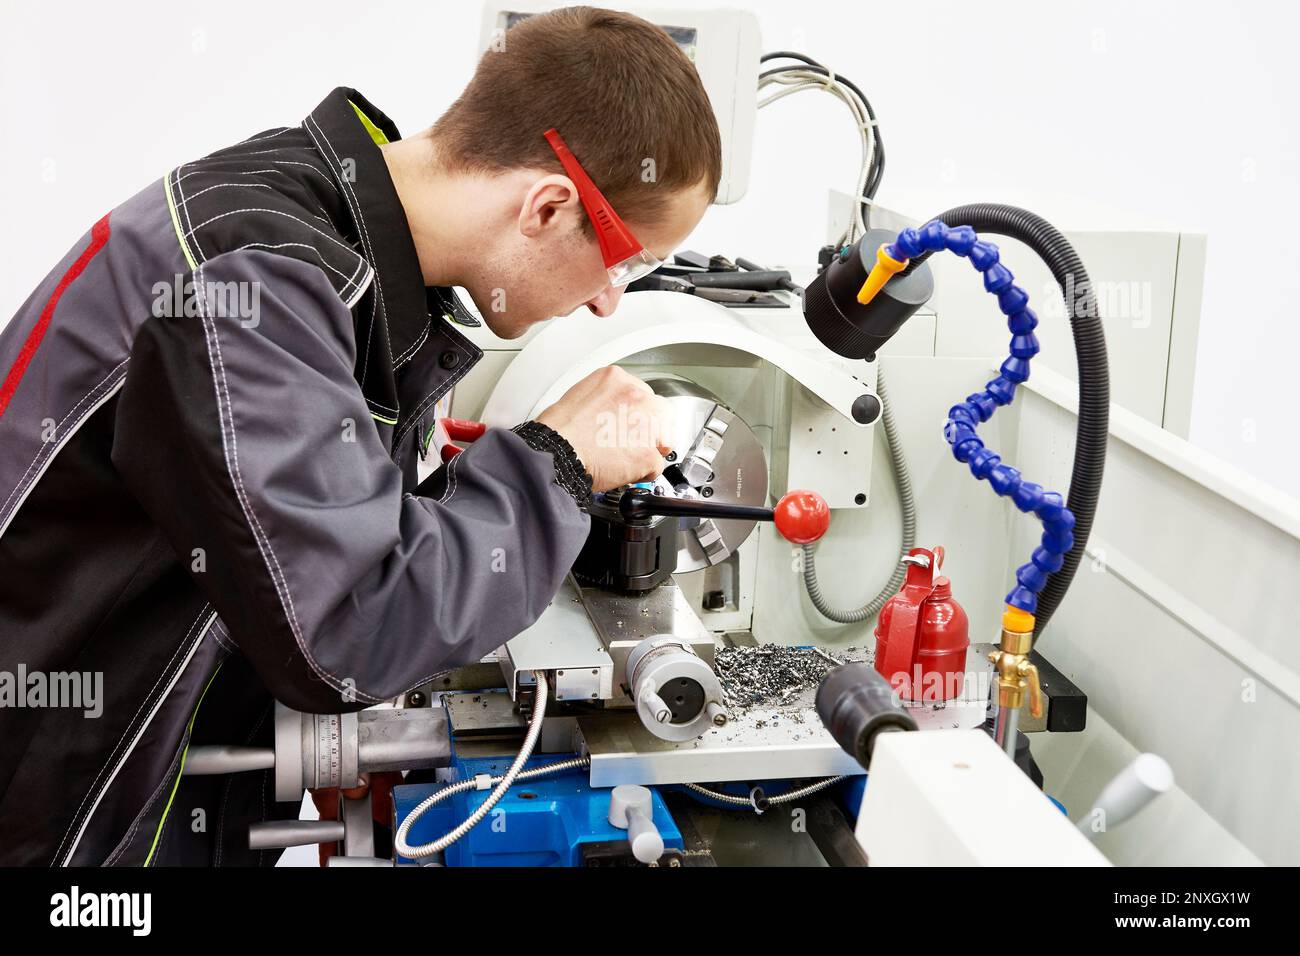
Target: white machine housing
[(1179, 589), (954, 799)]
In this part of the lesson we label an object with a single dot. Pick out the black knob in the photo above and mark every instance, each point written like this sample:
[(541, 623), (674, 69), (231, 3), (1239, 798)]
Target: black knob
[(866, 409)]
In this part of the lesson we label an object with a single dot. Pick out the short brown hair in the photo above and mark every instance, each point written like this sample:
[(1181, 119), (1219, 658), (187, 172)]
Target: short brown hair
[(618, 89)]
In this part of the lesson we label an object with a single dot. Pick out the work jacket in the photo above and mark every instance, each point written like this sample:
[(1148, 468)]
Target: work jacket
[(210, 424)]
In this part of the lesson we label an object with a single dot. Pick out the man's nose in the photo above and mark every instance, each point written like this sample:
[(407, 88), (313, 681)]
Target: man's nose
[(605, 303)]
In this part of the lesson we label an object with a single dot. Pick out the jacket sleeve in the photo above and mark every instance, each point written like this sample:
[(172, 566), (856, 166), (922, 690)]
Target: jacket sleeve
[(246, 438)]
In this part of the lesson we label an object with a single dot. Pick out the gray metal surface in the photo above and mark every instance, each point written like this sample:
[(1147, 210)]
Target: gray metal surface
[(277, 834), (783, 740), (677, 694), (358, 826), (563, 642), (288, 754), (481, 715), (622, 621), (332, 750), (470, 677), (488, 724), (410, 738), (222, 758), (757, 745), (362, 861)]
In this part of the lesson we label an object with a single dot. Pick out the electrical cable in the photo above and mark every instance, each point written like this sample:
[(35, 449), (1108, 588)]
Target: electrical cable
[(906, 507), (811, 75), (814, 75), (798, 80), (732, 800), (813, 65), (503, 782)]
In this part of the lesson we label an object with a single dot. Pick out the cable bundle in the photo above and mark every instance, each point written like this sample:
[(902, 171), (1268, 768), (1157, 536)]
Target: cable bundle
[(811, 75)]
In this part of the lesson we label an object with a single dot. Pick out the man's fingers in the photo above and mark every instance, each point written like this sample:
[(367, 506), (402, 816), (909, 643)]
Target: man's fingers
[(656, 464), (665, 425)]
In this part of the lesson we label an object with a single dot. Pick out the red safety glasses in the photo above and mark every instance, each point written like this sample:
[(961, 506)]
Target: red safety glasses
[(626, 259)]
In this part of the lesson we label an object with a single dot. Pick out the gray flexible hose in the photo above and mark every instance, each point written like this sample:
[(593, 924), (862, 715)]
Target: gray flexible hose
[(503, 782), (780, 798), (906, 506)]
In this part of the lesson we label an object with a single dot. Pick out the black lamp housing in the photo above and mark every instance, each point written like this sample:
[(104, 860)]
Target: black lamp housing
[(843, 324)]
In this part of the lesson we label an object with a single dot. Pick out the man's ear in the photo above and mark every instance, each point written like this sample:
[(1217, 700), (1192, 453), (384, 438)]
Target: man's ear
[(550, 199)]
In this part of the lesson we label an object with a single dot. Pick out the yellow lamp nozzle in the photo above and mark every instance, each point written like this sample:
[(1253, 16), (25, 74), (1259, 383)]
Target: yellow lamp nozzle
[(886, 267)]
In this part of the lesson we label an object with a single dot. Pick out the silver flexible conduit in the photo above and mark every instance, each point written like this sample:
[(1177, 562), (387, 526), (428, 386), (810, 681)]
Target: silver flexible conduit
[(503, 783), (735, 801), (906, 506)]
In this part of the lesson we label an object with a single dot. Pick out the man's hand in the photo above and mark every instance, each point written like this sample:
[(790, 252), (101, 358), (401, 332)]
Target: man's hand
[(618, 427)]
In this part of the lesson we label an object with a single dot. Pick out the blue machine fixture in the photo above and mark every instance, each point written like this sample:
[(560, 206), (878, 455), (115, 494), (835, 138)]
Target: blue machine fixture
[(550, 821)]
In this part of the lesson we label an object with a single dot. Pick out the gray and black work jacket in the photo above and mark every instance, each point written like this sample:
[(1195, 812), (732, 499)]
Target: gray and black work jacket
[(210, 422)]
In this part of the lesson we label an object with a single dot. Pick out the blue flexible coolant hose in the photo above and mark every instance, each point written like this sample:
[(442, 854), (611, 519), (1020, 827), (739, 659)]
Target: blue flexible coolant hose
[(963, 418)]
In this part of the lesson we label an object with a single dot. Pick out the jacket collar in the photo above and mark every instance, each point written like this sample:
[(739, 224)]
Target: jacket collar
[(394, 320), (348, 130)]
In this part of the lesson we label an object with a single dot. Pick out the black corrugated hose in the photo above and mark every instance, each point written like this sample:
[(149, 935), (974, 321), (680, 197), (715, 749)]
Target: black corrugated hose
[(1094, 371)]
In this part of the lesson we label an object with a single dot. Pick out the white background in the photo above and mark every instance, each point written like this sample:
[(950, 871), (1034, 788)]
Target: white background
[(1100, 115)]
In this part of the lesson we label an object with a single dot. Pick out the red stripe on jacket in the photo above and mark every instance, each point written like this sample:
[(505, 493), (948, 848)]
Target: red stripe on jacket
[(98, 239)]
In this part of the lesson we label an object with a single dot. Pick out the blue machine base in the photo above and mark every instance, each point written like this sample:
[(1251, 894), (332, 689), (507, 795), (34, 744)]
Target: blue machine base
[(541, 822)]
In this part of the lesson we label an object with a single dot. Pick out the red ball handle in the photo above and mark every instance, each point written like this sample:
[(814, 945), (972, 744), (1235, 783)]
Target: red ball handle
[(801, 516)]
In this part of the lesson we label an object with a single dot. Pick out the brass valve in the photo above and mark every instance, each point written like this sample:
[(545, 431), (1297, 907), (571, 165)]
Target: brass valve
[(1015, 674)]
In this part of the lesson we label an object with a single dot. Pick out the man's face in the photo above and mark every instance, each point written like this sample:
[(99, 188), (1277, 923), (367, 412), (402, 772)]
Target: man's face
[(551, 265)]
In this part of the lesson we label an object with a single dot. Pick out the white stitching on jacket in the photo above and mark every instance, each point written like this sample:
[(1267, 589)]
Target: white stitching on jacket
[(274, 212), (349, 299), (222, 637), (208, 189), (442, 389), (450, 490), (182, 210), (230, 448), (361, 287), (415, 347), (207, 608), (255, 172), (128, 840), (327, 180), (304, 245), (376, 307)]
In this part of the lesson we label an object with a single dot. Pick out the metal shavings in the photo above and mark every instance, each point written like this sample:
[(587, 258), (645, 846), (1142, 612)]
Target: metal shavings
[(769, 674)]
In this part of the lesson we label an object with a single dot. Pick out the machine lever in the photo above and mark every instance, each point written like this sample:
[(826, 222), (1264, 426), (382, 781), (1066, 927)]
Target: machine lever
[(1132, 788), (214, 759), (640, 503), (279, 834), (1030, 673), (801, 516), (630, 809)]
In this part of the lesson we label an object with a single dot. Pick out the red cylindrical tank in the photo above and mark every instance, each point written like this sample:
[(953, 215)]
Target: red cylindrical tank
[(922, 635)]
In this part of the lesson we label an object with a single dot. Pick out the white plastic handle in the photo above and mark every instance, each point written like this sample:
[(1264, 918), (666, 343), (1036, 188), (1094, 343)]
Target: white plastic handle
[(647, 844), (629, 809), (1133, 788)]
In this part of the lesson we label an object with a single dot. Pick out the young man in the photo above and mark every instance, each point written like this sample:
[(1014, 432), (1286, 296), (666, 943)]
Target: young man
[(212, 411)]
